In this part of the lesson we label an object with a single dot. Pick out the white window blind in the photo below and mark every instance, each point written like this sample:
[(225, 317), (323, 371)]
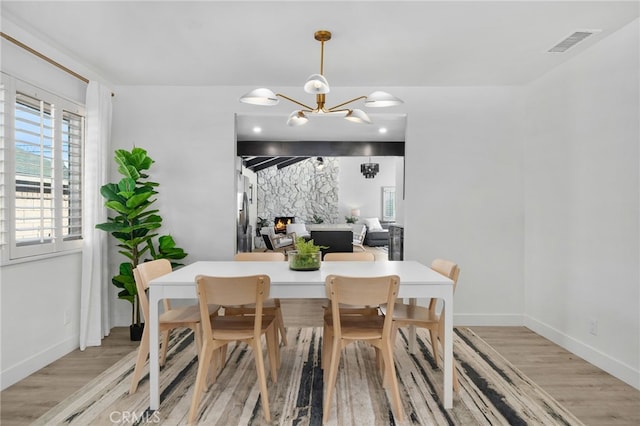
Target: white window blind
[(34, 171), (43, 155), (388, 203)]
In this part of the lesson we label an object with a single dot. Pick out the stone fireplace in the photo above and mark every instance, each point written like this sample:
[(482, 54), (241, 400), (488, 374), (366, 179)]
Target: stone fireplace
[(300, 190), (280, 223)]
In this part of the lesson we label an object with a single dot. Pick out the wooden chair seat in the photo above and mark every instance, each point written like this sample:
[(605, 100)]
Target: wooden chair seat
[(184, 316), (404, 314), (237, 327)]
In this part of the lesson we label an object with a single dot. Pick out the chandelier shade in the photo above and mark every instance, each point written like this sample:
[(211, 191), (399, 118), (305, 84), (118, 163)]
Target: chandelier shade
[(380, 99), (357, 116), (369, 170), (260, 96), (297, 118), (318, 85)]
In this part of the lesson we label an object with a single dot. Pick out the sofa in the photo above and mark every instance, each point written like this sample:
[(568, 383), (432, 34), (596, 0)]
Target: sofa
[(377, 233)]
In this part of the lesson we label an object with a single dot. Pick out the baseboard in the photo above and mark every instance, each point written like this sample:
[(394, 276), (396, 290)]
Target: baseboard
[(34, 363), (601, 360), (505, 320)]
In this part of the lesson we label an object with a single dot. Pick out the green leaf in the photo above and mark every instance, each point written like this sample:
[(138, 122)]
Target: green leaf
[(117, 206), (138, 213), (110, 192), (136, 200), (127, 185), (110, 226)]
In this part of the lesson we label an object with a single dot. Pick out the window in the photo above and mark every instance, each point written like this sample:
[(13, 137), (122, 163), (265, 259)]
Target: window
[(43, 138), (389, 203)]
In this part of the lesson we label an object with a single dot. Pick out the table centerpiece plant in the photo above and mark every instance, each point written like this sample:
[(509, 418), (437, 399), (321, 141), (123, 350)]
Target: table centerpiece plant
[(306, 256)]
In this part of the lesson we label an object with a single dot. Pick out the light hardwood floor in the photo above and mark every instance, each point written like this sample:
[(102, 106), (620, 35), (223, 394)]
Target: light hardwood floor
[(594, 396)]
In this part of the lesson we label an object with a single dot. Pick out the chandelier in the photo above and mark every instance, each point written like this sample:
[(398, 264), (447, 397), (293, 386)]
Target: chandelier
[(369, 170), (317, 85)]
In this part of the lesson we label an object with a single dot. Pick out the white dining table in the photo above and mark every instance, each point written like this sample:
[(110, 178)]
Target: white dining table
[(416, 281)]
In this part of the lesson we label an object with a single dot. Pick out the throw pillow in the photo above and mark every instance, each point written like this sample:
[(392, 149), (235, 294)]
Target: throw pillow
[(373, 224)]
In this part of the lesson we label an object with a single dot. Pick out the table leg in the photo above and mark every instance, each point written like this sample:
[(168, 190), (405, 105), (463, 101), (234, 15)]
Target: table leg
[(412, 330), (154, 360), (448, 350)]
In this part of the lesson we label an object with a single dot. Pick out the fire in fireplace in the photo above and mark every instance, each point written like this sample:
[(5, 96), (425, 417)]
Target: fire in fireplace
[(280, 223)]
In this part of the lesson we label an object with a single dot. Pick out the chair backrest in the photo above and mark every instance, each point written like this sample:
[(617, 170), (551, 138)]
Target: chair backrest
[(226, 291), (267, 241), (143, 274), (369, 291), (260, 256), (346, 256), (359, 237), (450, 270), (447, 268)]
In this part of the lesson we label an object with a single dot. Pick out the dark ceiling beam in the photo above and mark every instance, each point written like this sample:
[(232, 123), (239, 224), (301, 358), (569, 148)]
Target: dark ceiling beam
[(273, 162), (291, 161), (320, 148), (255, 161)]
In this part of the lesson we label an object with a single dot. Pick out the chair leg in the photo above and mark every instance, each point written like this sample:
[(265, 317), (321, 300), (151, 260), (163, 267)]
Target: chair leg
[(143, 351), (433, 335), (327, 347), (262, 377), (164, 346), (456, 383), (332, 376), (280, 322), (201, 379), (197, 333), (273, 352), (390, 378)]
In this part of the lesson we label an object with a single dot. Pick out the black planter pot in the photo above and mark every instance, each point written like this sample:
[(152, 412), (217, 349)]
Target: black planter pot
[(135, 332)]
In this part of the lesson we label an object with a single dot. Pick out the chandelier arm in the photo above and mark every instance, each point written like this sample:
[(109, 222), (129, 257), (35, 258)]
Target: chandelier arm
[(347, 102), (294, 101)]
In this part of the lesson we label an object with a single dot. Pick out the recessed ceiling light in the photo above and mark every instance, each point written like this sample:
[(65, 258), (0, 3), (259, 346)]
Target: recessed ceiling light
[(382, 130), (257, 129)]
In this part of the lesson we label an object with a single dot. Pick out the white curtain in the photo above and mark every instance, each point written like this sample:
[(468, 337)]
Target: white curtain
[(94, 294)]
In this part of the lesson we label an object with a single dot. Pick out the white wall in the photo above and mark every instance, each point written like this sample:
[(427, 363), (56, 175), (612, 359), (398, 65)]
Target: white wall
[(189, 132), (364, 194), (582, 209), (464, 194), (39, 299)]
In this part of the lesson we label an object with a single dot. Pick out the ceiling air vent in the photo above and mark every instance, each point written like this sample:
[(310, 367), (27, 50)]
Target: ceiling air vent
[(572, 40)]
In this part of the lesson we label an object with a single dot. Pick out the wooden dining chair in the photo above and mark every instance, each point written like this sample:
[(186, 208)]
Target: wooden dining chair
[(347, 256), (427, 317), (225, 329), (341, 330), (271, 306), (171, 318), (346, 309)]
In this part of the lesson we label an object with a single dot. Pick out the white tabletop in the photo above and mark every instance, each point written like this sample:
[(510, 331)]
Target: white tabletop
[(310, 284)]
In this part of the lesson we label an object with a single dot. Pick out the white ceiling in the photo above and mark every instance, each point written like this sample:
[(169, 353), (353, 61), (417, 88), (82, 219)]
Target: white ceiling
[(381, 44)]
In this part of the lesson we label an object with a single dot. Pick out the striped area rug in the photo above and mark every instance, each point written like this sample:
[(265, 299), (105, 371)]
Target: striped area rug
[(493, 392)]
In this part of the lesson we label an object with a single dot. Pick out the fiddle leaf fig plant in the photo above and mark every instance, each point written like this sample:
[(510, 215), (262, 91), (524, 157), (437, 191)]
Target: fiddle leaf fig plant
[(134, 222)]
